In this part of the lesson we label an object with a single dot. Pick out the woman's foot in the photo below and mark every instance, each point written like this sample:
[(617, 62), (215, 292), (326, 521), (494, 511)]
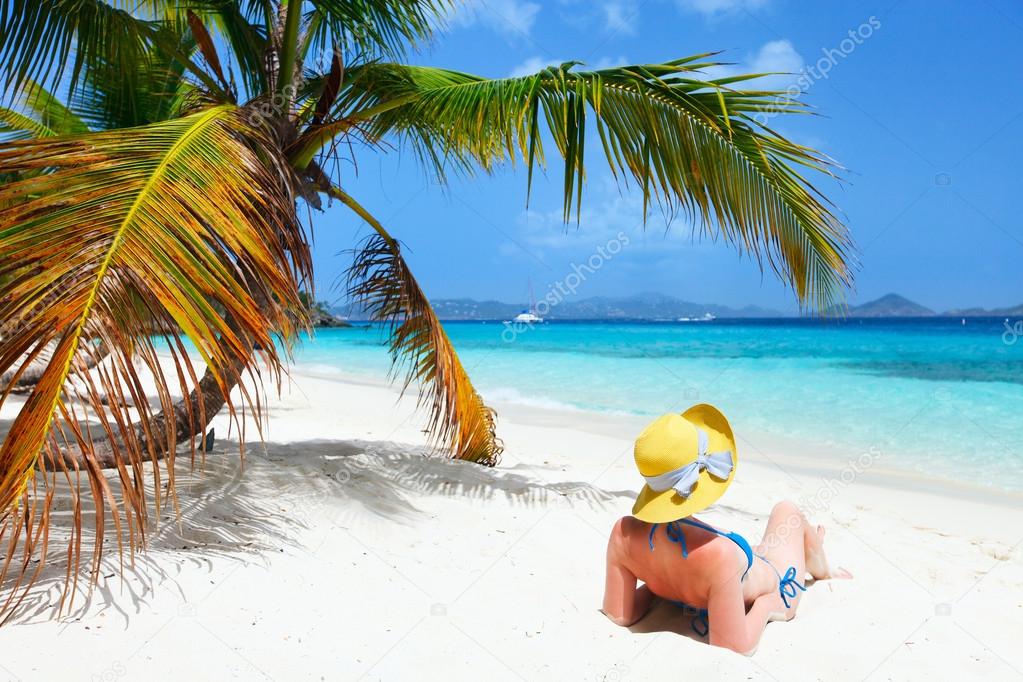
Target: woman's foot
[(816, 562)]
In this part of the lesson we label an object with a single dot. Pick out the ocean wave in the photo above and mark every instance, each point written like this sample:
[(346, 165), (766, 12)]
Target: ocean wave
[(507, 394)]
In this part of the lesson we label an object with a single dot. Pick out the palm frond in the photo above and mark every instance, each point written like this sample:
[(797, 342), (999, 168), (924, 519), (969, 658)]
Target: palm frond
[(375, 27), (41, 115), (40, 39), (692, 145), (380, 280), (185, 227), (206, 47), (46, 108), (15, 125), (157, 91), (246, 38)]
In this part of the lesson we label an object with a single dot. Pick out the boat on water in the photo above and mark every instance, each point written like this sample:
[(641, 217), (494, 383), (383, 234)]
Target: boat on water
[(529, 315), (707, 317)]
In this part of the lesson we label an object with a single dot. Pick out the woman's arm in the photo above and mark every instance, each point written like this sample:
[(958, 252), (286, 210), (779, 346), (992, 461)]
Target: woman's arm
[(730, 624), (623, 602)]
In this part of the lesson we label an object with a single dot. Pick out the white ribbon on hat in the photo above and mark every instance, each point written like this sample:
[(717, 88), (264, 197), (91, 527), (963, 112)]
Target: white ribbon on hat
[(684, 479)]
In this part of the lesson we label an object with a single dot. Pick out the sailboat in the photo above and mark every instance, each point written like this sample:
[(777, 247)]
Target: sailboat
[(529, 316), (707, 317)]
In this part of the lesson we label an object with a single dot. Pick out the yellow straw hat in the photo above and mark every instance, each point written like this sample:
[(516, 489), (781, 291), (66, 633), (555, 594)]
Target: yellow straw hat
[(688, 461)]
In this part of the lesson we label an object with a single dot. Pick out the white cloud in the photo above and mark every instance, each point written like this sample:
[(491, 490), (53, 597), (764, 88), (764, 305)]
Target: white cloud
[(608, 209), (513, 18), (777, 56), (607, 63), (532, 65), (621, 16), (714, 8)]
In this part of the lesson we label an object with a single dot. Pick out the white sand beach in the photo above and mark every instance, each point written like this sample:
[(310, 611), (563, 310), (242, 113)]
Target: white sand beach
[(342, 553)]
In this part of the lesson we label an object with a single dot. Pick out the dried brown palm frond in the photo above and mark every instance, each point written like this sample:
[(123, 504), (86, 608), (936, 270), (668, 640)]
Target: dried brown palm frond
[(131, 231), (380, 280)]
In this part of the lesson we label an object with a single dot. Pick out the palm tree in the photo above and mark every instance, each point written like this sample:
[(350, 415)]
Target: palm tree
[(152, 185)]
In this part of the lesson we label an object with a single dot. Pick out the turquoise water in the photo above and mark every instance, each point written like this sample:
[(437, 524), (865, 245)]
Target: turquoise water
[(930, 395)]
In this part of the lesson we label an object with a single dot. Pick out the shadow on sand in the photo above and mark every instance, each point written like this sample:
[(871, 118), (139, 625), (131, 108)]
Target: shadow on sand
[(664, 616), (245, 510)]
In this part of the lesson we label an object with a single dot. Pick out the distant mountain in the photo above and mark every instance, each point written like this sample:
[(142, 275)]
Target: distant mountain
[(1015, 311), (654, 306), (894, 305), (648, 306), (891, 305), (645, 306), (468, 309)]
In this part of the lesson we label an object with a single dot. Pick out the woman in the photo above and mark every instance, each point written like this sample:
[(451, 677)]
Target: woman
[(733, 589)]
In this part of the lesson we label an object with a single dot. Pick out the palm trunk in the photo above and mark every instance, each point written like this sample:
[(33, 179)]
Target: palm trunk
[(190, 416), (32, 375)]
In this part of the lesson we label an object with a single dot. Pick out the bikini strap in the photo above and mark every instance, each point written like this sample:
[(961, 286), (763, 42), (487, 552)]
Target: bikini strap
[(700, 623), (674, 534), (739, 540)]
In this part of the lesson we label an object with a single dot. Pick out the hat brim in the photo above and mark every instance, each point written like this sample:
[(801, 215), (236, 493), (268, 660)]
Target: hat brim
[(660, 507)]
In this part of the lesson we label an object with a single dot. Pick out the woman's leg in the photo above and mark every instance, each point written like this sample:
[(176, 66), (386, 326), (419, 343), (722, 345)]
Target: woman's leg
[(790, 540), (784, 541)]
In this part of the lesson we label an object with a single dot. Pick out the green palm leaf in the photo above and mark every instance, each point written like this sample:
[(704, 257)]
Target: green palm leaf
[(158, 91), (690, 144), (15, 125), (41, 115), (39, 39), (376, 27), (134, 231)]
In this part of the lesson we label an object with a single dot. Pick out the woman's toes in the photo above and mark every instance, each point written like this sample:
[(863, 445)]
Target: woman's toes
[(842, 573)]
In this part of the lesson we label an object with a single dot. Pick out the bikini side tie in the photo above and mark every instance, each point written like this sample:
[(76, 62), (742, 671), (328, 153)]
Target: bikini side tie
[(788, 584)]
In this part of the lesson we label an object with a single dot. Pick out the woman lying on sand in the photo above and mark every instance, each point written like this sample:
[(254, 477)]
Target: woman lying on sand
[(733, 589)]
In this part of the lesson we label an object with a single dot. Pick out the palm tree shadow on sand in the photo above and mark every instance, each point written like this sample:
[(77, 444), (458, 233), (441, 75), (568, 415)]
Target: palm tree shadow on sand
[(245, 511)]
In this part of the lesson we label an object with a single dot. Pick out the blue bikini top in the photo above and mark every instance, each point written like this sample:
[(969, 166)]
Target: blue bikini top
[(676, 535)]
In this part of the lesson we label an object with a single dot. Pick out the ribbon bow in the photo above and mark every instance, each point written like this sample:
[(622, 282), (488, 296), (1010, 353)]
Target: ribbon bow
[(683, 480), (787, 586)]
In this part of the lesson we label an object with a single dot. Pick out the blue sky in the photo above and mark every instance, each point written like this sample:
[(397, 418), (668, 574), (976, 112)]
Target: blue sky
[(924, 109)]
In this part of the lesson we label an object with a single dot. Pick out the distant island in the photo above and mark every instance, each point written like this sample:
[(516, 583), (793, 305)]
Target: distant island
[(644, 306), (893, 305), (890, 305), (662, 307)]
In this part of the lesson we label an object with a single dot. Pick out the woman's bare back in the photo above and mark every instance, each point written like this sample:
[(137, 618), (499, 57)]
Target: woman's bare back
[(741, 593)]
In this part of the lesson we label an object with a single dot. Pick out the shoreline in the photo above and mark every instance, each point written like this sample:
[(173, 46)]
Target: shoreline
[(798, 454)]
